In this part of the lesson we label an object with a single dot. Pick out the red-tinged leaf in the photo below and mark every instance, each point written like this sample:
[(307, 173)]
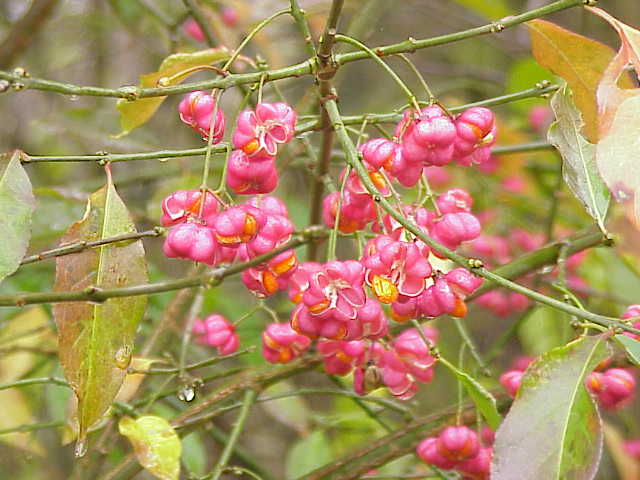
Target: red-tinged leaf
[(553, 430), (610, 93), (136, 113), (17, 204), (581, 61), (96, 339)]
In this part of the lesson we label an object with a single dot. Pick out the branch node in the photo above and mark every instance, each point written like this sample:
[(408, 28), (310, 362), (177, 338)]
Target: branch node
[(130, 92)]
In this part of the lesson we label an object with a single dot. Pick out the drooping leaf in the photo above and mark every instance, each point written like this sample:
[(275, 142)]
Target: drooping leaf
[(631, 347), (581, 61), (308, 454), (579, 167), (96, 339), (484, 401), (553, 430), (156, 444), (137, 112), (617, 156), (17, 204)]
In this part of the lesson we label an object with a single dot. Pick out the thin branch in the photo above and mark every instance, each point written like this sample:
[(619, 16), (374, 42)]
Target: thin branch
[(209, 279), (308, 67), (35, 381), (84, 245)]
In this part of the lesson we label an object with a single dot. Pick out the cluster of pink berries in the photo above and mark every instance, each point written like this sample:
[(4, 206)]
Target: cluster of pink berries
[(422, 140), (217, 331), (460, 449), (203, 231)]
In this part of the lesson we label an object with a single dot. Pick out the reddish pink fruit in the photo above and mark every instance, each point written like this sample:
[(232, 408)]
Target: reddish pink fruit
[(379, 153), (248, 176), (340, 357), (281, 344), (197, 110), (452, 229), (239, 224), (394, 268), (427, 450), (258, 133), (511, 381), (540, 117), (192, 241), (476, 133), (458, 443), (192, 29), (454, 201), (632, 447), (230, 16), (187, 206), (429, 139), (217, 331), (478, 467)]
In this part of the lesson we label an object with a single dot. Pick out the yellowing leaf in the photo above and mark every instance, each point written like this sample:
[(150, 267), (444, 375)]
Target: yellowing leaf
[(136, 113), (96, 340), (581, 61), (17, 204), (578, 157), (156, 445), (491, 9)]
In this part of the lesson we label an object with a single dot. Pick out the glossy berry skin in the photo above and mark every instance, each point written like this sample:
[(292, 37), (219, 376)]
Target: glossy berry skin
[(336, 290), (281, 344), (394, 268), (613, 388), (454, 201), (429, 139), (475, 134), (356, 211), (272, 276), (511, 381), (452, 229), (458, 443), (478, 467), (187, 205), (238, 224), (258, 133), (427, 450), (197, 110), (446, 295), (379, 153), (246, 176), (192, 241), (217, 331), (340, 357)]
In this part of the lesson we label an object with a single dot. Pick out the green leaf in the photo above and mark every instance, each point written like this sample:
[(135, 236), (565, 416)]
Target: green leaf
[(156, 444), (631, 347), (579, 167), (523, 74), (581, 61), (484, 401), (308, 454), (543, 329), (553, 430), (136, 113), (17, 204), (96, 339)]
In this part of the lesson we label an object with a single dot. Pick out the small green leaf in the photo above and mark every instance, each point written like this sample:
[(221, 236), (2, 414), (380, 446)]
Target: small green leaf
[(96, 339), (17, 204), (578, 156), (156, 444), (631, 347), (136, 113), (485, 402), (553, 430), (308, 454)]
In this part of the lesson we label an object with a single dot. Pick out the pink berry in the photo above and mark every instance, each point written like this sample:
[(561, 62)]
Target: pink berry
[(186, 205), (281, 344), (378, 153), (540, 117), (258, 133), (632, 447), (511, 381), (192, 29), (217, 331), (478, 467), (196, 110), (250, 177), (454, 201), (428, 452), (340, 357), (239, 224), (192, 241), (230, 16), (458, 443), (455, 228)]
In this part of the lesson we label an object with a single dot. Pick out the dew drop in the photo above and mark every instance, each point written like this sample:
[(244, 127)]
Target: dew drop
[(163, 160), (187, 394), (73, 98), (123, 357), (81, 447)]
